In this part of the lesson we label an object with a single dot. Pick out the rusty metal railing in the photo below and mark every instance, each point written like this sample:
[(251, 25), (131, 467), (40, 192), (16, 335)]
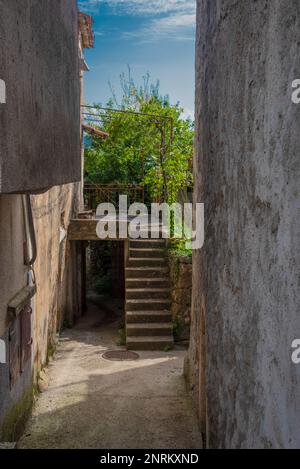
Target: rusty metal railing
[(95, 194)]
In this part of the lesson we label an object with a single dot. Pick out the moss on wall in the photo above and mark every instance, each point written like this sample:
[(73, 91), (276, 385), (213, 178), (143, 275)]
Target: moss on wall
[(180, 264), (51, 349), (17, 415)]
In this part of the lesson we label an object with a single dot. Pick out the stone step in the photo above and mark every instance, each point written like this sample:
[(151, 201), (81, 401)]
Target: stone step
[(148, 282), (147, 305), (138, 317), (149, 343), (149, 329), (147, 262), (148, 293), (144, 252), (146, 272), (156, 233), (147, 243)]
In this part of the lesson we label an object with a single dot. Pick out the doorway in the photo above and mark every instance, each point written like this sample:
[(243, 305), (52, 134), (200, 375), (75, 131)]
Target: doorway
[(104, 285)]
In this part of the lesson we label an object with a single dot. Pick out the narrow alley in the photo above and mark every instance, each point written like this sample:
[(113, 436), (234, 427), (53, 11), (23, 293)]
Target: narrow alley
[(92, 402), (149, 229)]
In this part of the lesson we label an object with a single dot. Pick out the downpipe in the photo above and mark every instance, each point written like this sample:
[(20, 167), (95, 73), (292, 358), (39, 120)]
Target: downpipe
[(31, 247)]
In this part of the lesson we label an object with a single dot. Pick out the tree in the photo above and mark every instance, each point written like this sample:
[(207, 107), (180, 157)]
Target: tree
[(145, 129)]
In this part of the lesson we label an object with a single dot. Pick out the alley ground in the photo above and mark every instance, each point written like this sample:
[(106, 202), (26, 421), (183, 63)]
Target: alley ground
[(91, 402)]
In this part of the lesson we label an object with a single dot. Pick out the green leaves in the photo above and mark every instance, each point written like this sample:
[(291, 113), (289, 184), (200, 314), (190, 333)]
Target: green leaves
[(155, 150)]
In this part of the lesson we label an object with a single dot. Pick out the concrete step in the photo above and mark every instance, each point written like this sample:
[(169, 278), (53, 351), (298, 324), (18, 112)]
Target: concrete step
[(148, 282), (149, 329), (139, 317), (149, 343), (144, 252), (145, 233), (147, 305), (147, 272), (147, 243), (147, 262), (148, 293)]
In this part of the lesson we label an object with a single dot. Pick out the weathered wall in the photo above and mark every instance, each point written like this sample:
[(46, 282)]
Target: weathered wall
[(12, 271), (248, 173), (56, 275), (39, 147), (58, 295), (12, 280), (181, 294), (40, 122)]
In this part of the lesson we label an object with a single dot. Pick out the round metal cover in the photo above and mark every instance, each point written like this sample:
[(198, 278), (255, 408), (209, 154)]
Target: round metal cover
[(120, 355)]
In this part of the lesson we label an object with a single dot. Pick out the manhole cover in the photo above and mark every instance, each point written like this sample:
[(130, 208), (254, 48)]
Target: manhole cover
[(120, 355)]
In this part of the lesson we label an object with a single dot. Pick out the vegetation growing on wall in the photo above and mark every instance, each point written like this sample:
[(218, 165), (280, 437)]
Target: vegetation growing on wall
[(177, 248), (17, 415)]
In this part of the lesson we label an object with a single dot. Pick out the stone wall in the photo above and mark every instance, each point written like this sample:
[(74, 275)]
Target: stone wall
[(58, 290), (57, 276), (181, 286), (39, 148), (40, 122), (246, 298), (12, 279)]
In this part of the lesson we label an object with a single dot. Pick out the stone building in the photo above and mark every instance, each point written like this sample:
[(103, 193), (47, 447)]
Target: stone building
[(246, 300), (42, 65)]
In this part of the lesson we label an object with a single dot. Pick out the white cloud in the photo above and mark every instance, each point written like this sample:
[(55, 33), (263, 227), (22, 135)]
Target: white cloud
[(174, 19), (142, 7), (179, 27)]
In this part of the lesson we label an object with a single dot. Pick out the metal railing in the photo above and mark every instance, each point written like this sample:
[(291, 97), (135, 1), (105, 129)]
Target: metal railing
[(95, 194)]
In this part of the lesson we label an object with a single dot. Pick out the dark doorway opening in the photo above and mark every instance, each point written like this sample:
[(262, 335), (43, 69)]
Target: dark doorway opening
[(105, 284)]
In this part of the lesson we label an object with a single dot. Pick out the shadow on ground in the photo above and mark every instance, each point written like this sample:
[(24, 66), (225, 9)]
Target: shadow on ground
[(95, 403)]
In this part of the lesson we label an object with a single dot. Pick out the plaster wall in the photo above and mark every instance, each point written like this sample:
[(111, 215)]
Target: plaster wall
[(40, 121), (246, 302)]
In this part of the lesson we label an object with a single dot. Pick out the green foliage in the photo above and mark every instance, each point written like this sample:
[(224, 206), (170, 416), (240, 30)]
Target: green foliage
[(164, 141), (178, 328), (67, 324), (99, 272), (178, 249), (103, 285), (168, 348), (121, 341), (15, 420), (175, 251)]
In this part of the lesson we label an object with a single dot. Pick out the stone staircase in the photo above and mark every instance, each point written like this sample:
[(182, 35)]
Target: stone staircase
[(148, 318)]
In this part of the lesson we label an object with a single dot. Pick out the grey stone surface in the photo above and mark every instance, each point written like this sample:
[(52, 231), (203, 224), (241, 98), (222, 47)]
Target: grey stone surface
[(181, 294), (10, 398), (247, 173), (92, 402), (40, 122)]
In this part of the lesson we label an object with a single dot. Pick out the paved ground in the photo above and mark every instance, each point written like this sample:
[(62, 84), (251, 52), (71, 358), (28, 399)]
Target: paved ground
[(94, 403)]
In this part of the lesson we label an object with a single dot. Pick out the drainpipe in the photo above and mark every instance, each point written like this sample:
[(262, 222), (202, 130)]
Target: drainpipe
[(31, 249)]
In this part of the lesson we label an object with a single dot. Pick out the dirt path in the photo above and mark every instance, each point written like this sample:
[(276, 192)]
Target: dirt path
[(94, 403)]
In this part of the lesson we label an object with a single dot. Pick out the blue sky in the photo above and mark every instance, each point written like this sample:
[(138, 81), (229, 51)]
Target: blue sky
[(149, 35)]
